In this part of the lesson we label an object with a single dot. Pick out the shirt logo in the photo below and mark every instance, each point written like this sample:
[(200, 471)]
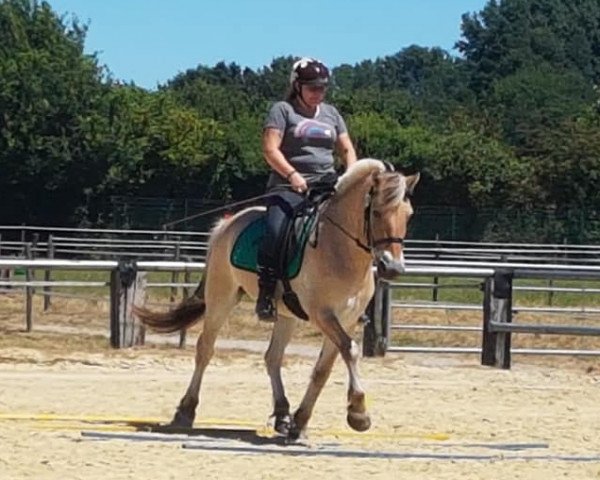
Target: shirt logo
[(312, 129)]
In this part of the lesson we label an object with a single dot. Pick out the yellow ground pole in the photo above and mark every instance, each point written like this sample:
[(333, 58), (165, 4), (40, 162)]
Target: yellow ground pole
[(126, 423)]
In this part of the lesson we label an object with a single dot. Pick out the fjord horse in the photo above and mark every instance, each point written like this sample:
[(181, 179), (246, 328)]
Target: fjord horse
[(364, 221)]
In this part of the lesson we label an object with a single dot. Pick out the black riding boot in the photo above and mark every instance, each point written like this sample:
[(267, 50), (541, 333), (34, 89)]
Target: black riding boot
[(267, 280)]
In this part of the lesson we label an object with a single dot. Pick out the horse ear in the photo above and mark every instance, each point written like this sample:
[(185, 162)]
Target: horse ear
[(411, 182), (389, 167)]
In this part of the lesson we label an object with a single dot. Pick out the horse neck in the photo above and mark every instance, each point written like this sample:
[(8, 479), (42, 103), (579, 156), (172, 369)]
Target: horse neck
[(351, 203), (347, 211)]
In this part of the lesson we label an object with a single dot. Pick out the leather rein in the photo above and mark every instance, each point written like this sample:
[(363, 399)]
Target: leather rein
[(371, 245)]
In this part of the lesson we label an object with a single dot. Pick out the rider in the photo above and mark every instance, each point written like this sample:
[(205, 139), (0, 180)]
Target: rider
[(299, 137)]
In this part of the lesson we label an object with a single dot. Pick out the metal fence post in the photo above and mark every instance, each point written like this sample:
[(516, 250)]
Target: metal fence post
[(34, 248), (5, 273), (497, 307), (386, 322), (185, 294), (369, 328), (376, 320), (174, 280), (48, 274), (28, 291), (436, 279), (174, 274)]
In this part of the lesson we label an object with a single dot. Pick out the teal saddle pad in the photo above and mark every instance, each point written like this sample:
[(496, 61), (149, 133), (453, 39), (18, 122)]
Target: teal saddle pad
[(244, 254)]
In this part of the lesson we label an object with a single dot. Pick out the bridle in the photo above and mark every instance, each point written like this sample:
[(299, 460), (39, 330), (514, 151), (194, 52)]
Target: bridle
[(371, 245)]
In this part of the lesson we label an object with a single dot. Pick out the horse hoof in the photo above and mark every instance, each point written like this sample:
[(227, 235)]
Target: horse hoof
[(360, 422), (283, 425), (182, 420), (295, 433)]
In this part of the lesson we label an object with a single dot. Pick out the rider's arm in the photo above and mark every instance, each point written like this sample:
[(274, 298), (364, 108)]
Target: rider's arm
[(345, 149), (271, 141)]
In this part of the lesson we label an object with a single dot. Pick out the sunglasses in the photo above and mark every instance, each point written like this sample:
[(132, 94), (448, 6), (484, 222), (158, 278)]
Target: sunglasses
[(316, 88)]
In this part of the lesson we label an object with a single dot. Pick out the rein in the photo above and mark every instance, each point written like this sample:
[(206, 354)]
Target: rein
[(359, 244), (371, 244), (224, 208)]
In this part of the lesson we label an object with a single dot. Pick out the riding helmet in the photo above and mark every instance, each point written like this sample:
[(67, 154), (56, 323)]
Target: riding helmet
[(308, 71)]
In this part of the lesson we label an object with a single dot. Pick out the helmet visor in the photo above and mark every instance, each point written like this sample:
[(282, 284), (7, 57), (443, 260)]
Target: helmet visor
[(319, 82)]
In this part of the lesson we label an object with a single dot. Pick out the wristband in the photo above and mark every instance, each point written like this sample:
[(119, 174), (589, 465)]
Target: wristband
[(289, 175)]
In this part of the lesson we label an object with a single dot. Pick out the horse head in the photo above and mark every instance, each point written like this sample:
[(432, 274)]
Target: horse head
[(388, 213)]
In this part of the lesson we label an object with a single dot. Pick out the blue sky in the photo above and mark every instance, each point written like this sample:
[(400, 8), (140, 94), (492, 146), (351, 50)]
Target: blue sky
[(150, 41)]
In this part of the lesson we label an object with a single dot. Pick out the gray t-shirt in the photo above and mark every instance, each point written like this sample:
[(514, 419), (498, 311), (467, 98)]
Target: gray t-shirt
[(307, 143)]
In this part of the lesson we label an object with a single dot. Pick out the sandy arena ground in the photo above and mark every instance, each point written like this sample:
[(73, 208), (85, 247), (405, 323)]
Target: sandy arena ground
[(434, 417)]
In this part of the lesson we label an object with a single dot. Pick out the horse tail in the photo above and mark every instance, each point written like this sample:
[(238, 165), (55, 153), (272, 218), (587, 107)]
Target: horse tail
[(186, 314), (190, 310)]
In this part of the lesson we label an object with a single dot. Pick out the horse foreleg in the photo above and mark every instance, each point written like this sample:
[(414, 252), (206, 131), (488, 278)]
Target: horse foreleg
[(357, 417), (318, 379), (282, 333)]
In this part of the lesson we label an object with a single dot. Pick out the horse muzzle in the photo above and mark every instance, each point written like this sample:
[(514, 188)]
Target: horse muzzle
[(388, 267)]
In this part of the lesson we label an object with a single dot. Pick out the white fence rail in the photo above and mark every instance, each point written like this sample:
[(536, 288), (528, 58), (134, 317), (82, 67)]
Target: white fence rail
[(126, 288), (176, 245), (497, 305)]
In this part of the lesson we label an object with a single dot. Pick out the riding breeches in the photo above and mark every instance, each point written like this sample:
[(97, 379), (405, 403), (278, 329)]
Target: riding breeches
[(280, 211)]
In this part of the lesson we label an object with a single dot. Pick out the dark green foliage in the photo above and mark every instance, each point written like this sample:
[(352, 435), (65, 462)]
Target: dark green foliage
[(50, 95), (505, 136), (509, 35)]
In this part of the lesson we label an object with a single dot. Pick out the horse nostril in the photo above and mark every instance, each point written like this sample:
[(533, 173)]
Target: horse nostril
[(389, 268)]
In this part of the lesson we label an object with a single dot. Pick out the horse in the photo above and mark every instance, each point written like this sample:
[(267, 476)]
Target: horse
[(365, 221)]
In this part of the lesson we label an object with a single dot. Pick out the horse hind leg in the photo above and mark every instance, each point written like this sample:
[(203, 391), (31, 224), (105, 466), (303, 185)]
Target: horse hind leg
[(186, 410), (219, 305)]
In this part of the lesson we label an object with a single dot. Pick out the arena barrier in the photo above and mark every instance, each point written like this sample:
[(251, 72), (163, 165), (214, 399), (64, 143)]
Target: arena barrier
[(127, 285), (497, 309)]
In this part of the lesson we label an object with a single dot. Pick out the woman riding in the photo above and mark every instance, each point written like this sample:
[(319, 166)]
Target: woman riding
[(300, 136)]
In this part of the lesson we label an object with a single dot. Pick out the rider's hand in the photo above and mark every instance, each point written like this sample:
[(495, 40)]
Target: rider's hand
[(298, 182)]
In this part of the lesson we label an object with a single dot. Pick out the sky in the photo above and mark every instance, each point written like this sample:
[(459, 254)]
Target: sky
[(150, 41)]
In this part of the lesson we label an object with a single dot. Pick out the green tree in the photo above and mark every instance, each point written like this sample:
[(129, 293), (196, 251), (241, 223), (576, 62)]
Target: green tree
[(508, 35), (538, 98), (154, 146), (471, 170), (49, 93)]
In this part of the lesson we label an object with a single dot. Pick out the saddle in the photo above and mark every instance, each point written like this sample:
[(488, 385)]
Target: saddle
[(300, 228), (244, 254)]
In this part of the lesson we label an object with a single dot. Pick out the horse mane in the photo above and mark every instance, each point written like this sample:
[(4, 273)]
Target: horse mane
[(390, 190), (356, 172), (389, 187)]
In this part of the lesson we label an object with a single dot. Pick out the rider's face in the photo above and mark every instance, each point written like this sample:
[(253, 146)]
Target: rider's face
[(313, 94)]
